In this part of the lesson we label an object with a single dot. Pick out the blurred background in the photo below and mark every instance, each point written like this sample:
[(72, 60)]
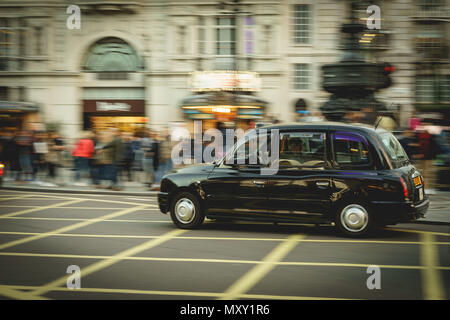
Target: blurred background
[(126, 75)]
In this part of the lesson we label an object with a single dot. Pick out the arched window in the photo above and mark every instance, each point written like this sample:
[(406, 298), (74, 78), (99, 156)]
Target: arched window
[(112, 55)]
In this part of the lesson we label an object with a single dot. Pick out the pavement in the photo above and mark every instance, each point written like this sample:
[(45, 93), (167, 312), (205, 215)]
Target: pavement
[(124, 248), (438, 212)]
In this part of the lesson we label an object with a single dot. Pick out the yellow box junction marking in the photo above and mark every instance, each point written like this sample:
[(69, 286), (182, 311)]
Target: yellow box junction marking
[(431, 277), (248, 280), (70, 227), (111, 260)]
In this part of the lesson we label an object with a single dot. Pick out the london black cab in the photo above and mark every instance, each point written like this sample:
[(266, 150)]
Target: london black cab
[(354, 176)]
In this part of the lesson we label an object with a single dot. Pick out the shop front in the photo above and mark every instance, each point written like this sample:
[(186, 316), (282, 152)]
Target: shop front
[(224, 99), (126, 115), (19, 115)]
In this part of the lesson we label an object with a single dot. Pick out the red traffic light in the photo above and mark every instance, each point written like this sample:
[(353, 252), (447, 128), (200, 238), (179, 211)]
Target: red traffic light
[(389, 68)]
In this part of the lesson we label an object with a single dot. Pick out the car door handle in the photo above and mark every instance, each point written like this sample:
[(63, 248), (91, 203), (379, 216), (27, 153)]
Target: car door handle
[(323, 183), (259, 182)]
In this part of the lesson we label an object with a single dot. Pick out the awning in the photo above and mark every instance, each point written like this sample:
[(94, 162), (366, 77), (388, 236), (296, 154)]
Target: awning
[(240, 106), (12, 106), (223, 98)]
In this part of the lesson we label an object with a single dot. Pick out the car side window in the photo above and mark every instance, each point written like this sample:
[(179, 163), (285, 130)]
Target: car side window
[(248, 150), (301, 150), (350, 150)]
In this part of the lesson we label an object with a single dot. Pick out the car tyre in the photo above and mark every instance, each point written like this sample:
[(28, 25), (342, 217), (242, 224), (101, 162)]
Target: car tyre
[(186, 211), (354, 220)]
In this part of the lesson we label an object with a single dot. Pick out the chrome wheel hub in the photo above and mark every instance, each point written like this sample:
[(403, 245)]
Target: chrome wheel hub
[(354, 218), (184, 210)]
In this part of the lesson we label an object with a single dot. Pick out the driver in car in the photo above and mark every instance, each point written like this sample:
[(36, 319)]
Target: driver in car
[(294, 150)]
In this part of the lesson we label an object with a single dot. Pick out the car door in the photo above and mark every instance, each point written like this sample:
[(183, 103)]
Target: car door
[(301, 189), (236, 189)]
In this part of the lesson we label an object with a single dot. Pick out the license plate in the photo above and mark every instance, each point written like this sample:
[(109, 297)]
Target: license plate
[(417, 181), (421, 194)]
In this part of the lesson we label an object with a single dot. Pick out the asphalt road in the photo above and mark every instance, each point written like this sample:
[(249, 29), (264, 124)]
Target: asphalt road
[(126, 249)]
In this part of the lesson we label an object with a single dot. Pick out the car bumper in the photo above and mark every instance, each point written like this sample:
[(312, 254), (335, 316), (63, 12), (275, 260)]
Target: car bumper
[(163, 201), (395, 212)]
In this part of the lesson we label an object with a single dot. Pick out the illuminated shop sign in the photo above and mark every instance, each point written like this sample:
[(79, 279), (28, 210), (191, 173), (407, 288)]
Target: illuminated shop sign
[(224, 81), (114, 106), (118, 106)]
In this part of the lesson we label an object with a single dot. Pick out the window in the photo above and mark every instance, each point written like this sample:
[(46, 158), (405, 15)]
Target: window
[(3, 93), (393, 147), (433, 88), (249, 36), (201, 44), (112, 55), (301, 24), (181, 35), (430, 40), (350, 150), (431, 5), (225, 36), (301, 77), (445, 88), (248, 150), (302, 150), (4, 43)]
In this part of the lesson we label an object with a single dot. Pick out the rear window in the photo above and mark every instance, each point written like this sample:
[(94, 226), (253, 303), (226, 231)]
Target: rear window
[(350, 150), (393, 147)]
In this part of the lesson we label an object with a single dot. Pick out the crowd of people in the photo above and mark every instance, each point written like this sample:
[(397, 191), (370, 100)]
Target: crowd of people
[(108, 158), (104, 159)]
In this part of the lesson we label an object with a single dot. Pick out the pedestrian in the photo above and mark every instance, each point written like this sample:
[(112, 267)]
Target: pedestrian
[(54, 155), (148, 148), (410, 144), (136, 145), (9, 153), (113, 156), (128, 155), (83, 151), (165, 150), (97, 163), (25, 150), (41, 151)]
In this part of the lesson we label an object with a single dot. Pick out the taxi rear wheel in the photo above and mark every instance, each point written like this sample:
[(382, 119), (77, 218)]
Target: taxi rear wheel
[(354, 219), (186, 212)]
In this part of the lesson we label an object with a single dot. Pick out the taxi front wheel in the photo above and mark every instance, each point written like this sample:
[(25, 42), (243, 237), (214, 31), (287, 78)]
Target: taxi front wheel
[(186, 212)]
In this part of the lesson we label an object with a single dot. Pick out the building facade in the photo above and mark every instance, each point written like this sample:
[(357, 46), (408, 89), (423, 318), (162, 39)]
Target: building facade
[(88, 63)]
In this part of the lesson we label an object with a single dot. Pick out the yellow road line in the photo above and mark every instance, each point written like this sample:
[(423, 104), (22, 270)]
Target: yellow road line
[(218, 238), (205, 260), (93, 199), (9, 292), (70, 227), (14, 198), (178, 293), (431, 278), (248, 280), (56, 205), (85, 219), (111, 260), (420, 232), (83, 208)]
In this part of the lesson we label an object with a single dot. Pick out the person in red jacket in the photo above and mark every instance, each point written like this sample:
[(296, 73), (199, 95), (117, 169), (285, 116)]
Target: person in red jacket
[(83, 151)]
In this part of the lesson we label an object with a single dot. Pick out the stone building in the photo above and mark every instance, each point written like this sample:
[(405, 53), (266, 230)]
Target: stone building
[(130, 62)]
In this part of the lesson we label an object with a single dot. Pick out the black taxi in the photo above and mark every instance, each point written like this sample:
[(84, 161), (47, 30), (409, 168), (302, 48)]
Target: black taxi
[(355, 176)]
